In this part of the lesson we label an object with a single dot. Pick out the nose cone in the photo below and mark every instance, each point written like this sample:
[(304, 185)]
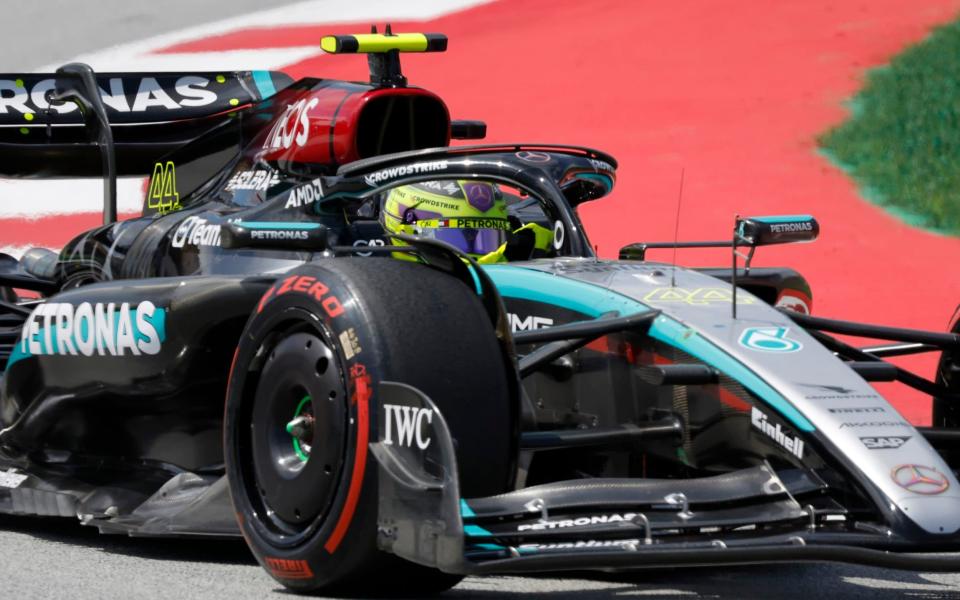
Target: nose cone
[(935, 514)]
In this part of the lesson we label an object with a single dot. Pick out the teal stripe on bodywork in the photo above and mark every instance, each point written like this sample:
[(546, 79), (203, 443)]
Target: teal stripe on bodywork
[(465, 510), (526, 284), (476, 531), (285, 225), (264, 83), (594, 301)]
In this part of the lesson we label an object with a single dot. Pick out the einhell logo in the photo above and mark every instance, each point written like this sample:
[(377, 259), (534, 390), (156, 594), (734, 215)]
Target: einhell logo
[(793, 445)]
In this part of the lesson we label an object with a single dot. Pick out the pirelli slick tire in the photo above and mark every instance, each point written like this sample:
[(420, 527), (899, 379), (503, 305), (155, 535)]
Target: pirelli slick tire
[(302, 407)]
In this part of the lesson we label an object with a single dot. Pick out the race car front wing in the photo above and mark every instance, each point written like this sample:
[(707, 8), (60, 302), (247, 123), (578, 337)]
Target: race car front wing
[(745, 516)]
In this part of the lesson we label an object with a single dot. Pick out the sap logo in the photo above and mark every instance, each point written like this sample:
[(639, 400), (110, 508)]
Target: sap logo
[(150, 95), (409, 424), (884, 443), (88, 329), (252, 180), (793, 445), (196, 231), (528, 324), (305, 194), (292, 127), (162, 195)]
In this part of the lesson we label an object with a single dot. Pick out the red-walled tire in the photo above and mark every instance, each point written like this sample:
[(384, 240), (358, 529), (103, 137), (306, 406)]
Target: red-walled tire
[(302, 406)]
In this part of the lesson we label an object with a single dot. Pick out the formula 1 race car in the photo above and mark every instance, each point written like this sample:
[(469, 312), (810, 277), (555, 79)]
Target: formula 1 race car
[(389, 363)]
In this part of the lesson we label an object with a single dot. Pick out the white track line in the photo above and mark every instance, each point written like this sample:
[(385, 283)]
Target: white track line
[(313, 12)]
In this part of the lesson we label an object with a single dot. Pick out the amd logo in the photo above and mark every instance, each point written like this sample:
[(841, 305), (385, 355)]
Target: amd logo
[(408, 424), (528, 324)]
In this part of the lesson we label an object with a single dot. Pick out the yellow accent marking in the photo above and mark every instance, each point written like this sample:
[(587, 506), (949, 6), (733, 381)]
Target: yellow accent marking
[(18, 82), (28, 116), (234, 102), (162, 195), (221, 79), (24, 130), (376, 42)]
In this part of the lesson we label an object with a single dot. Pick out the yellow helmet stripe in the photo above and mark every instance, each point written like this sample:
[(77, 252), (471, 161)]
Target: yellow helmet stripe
[(377, 42)]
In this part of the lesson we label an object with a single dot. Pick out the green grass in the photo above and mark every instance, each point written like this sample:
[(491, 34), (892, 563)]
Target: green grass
[(902, 142)]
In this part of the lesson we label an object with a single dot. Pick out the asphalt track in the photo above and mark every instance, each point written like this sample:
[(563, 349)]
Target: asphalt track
[(692, 96)]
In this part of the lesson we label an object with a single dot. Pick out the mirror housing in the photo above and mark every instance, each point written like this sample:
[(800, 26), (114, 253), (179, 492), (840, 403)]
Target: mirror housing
[(766, 231)]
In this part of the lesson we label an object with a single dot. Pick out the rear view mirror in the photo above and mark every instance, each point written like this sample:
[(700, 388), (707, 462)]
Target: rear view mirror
[(765, 231)]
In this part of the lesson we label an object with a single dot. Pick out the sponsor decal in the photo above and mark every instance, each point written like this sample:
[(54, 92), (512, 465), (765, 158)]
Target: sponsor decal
[(559, 233), (792, 444), (350, 343), (293, 127), (283, 568), (528, 323), (188, 91), (885, 442), (305, 194), (196, 231), (304, 284), (278, 234), (472, 223), (838, 392), (769, 339), (447, 187), (409, 423), (795, 301), (362, 243), (376, 178), (579, 544), (578, 522), (162, 194), (533, 157), (92, 329), (258, 179), (857, 410), (600, 165), (699, 296), (790, 227), (856, 425), (11, 479), (920, 479)]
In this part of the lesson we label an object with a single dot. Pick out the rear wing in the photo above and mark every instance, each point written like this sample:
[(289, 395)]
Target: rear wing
[(150, 114)]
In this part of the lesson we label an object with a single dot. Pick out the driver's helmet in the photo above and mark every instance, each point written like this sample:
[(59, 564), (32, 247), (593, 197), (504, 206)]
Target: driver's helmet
[(470, 215)]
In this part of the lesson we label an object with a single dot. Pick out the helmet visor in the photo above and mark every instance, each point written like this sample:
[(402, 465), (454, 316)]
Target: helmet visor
[(473, 235)]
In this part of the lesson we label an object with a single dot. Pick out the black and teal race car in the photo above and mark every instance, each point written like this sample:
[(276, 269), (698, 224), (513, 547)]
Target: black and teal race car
[(254, 355)]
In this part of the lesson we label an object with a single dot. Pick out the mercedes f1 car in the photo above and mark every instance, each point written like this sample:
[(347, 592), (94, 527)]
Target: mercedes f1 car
[(257, 355)]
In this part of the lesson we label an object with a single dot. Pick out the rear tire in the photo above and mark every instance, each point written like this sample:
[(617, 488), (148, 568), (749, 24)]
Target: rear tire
[(319, 342)]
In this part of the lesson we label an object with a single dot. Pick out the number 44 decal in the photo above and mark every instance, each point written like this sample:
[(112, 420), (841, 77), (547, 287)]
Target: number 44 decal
[(769, 339)]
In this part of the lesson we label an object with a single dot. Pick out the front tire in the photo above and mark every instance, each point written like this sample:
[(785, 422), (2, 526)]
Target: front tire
[(302, 406)]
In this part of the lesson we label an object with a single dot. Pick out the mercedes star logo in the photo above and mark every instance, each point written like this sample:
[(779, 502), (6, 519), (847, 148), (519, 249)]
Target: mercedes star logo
[(920, 480)]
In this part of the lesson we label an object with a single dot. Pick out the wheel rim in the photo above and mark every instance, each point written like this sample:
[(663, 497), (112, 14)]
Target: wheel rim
[(299, 433)]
